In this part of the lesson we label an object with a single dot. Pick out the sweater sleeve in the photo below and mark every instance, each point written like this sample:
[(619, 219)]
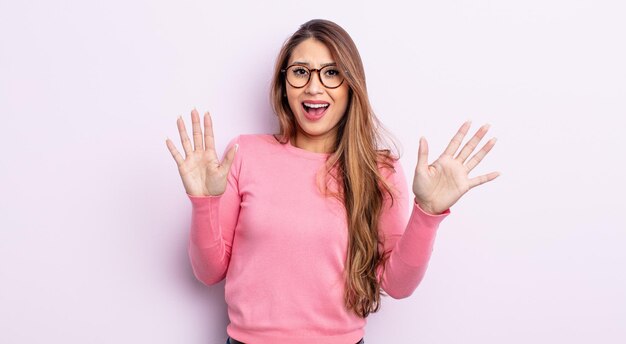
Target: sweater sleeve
[(408, 243), (213, 222)]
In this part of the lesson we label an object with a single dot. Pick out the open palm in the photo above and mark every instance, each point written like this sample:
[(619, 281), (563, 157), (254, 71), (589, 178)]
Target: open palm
[(200, 169), (441, 184)]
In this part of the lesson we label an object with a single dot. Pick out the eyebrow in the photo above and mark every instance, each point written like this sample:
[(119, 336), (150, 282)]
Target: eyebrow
[(308, 64)]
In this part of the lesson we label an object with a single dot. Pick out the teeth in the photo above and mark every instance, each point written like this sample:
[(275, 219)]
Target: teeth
[(315, 106)]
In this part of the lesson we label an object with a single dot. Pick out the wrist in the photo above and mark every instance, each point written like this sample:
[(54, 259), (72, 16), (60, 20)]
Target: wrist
[(426, 207)]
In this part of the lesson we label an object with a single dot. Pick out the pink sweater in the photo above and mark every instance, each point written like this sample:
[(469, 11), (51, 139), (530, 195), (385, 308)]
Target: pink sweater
[(282, 245)]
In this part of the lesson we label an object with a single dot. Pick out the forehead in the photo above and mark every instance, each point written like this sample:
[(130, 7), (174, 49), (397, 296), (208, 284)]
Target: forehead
[(311, 52)]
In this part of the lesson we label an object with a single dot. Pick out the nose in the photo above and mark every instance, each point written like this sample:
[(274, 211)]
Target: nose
[(314, 86)]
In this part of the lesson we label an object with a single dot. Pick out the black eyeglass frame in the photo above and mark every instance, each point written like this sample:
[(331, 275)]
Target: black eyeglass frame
[(319, 75)]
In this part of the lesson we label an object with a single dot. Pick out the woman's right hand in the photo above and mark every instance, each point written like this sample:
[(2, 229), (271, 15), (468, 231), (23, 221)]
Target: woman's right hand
[(201, 171)]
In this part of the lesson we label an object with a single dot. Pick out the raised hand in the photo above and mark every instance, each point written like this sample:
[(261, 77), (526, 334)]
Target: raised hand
[(201, 171), (440, 185)]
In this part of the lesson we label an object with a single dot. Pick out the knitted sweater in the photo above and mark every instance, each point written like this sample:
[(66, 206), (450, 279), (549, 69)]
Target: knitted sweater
[(281, 244)]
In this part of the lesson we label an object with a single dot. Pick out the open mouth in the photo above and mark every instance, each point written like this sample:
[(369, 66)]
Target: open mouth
[(315, 110)]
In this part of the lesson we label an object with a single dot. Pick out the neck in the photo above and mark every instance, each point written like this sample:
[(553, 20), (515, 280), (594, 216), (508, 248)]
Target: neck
[(316, 144)]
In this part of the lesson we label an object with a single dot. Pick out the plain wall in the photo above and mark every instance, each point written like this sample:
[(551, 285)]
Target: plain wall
[(94, 219)]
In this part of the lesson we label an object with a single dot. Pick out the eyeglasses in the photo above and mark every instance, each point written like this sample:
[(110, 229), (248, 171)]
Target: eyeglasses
[(299, 76)]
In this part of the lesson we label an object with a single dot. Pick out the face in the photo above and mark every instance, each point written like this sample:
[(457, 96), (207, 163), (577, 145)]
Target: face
[(317, 109)]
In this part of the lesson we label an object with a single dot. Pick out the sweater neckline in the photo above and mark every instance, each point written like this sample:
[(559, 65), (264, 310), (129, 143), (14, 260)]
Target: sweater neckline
[(301, 152)]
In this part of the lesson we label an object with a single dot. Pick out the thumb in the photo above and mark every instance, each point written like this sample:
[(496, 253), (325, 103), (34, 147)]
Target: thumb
[(422, 155), (229, 158)]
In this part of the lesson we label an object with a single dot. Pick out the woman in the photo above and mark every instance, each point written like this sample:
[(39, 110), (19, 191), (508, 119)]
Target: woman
[(309, 226)]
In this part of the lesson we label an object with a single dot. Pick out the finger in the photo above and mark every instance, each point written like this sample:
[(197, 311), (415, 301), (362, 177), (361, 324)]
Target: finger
[(483, 179), (229, 158), (209, 139), (196, 130), (184, 139), (175, 154), (478, 157), (472, 143), (457, 139), (422, 155)]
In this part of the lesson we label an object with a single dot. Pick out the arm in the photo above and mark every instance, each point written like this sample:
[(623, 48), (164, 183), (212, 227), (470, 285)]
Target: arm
[(213, 222), (436, 187), (409, 242)]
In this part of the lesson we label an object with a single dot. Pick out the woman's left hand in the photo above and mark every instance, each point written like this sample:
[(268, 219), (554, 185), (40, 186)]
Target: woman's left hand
[(439, 185)]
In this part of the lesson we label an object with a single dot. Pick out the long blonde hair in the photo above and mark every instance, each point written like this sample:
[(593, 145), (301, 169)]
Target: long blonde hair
[(354, 164)]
